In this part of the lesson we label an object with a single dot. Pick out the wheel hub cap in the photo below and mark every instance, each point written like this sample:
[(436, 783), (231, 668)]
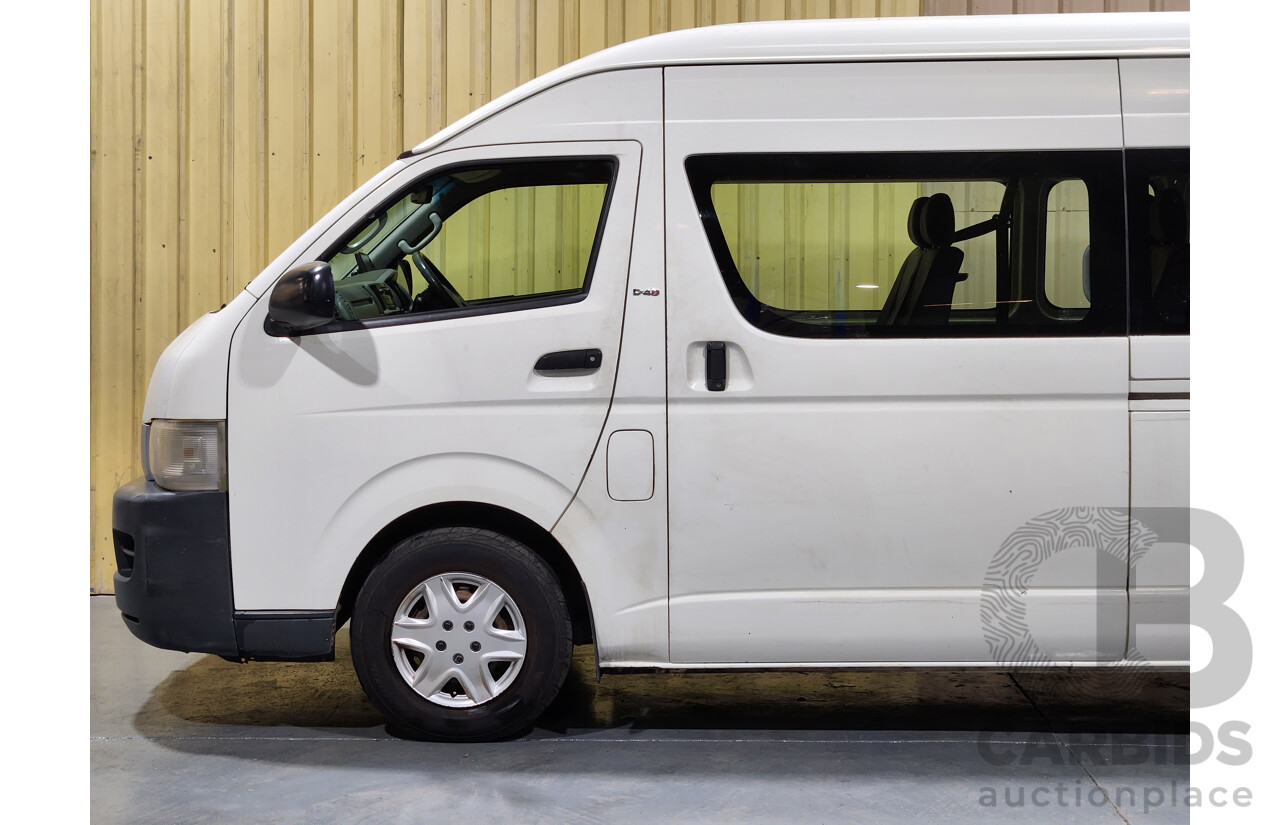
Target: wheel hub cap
[(458, 639)]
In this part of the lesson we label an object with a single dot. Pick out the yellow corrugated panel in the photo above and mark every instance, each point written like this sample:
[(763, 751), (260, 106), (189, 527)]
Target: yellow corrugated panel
[(111, 285), (245, 166), (202, 203), (288, 88), (333, 117), (158, 276)]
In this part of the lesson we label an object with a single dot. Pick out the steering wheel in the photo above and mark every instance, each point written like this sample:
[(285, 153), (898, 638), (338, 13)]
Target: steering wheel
[(439, 294), (343, 308)]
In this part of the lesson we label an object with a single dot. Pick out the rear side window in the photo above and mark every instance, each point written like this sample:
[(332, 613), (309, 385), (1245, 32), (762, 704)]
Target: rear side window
[(918, 244), (481, 238), (1066, 250), (1160, 240)]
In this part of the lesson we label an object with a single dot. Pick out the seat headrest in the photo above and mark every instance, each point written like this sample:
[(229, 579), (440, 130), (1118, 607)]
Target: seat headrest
[(938, 221), (1169, 219), (913, 221)]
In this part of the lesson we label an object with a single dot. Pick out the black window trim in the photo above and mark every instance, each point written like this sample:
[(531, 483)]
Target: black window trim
[(1140, 164), (517, 304), (1105, 166)]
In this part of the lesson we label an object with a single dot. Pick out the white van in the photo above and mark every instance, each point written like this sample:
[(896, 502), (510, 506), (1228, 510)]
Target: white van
[(776, 345)]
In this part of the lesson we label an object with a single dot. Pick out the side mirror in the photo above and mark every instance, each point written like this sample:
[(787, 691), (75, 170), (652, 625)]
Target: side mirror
[(302, 299)]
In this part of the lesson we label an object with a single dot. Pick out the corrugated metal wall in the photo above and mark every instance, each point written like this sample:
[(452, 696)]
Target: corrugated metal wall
[(220, 131)]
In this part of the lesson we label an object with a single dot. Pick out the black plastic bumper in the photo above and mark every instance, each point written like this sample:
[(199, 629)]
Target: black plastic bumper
[(173, 581), (173, 568)]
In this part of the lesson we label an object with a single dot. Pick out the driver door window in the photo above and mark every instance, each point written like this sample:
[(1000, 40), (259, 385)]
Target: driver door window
[(493, 237)]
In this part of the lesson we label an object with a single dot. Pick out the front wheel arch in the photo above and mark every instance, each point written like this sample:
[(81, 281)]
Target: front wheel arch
[(482, 516)]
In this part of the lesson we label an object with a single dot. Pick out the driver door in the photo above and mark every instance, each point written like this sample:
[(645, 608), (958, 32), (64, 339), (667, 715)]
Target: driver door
[(454, 279)]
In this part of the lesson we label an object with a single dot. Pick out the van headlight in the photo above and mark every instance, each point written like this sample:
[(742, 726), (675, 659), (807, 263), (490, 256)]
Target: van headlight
[(186, 455)]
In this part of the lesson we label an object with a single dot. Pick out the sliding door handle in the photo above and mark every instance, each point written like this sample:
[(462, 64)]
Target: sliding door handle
[(717, 366), (573, 360)]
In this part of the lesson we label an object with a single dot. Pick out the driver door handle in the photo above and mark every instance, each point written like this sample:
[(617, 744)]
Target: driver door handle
[(573, 360)]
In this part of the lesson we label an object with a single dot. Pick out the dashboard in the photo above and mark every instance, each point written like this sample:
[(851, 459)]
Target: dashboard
[(370, 294)]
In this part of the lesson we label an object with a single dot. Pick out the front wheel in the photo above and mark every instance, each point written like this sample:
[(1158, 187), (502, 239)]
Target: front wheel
[(461, 634)]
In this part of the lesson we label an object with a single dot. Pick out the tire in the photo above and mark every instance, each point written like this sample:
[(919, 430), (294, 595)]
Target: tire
[(407, 628)]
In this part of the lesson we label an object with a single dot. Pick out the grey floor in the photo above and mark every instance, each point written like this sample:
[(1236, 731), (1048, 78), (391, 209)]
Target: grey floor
[(190, 738)]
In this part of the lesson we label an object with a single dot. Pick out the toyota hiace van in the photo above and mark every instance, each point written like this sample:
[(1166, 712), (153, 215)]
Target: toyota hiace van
[(777, 345)]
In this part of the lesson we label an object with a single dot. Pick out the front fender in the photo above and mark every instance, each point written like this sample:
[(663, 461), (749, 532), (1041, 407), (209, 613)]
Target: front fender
[(397, 490)]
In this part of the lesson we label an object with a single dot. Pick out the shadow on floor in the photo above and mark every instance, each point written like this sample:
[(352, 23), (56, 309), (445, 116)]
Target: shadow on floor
[(213, 697)]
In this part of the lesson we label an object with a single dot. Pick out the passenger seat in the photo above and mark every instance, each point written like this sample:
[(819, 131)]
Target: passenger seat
[(906, 272), (926, 283)]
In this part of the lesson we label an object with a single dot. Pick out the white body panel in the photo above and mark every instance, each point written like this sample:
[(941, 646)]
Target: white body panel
[(1157, 113), (190, 379), (1157, 102), (620, 547), (841, 500), (899, 107), (1160, 579), (839, 503), (1160, 358)]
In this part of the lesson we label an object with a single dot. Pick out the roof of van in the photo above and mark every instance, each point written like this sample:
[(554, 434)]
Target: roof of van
[(974, 37)]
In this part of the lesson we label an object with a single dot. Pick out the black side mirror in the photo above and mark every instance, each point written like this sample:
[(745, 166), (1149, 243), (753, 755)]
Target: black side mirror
[(302, 299)]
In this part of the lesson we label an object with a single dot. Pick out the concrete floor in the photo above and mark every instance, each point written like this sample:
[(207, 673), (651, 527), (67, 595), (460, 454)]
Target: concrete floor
[(192, 739)]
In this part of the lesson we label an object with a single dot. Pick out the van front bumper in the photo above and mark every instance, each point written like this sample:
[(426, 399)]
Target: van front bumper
[(173, 567), (173, 582)]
